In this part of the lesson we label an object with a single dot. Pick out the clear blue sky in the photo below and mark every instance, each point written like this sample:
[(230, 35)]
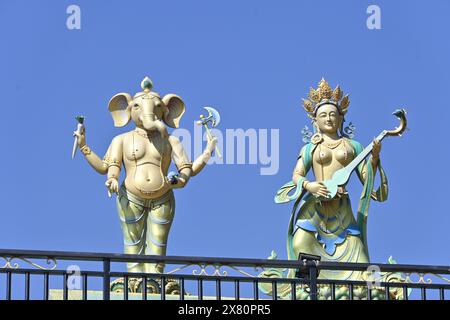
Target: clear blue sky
[(253, 61)]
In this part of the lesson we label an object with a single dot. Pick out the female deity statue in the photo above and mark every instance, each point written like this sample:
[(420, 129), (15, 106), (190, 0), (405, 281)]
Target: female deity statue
[(328, 228)]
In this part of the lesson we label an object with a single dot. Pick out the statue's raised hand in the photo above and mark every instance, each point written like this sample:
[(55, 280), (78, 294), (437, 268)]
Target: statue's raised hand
[(317, 189), (211, 144), (81, 137)]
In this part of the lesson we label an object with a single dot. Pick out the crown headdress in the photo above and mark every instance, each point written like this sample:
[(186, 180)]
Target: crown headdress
[(323, 95), (147, 86)]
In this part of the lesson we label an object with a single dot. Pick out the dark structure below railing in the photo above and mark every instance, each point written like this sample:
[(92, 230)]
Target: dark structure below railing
[(227, 278)]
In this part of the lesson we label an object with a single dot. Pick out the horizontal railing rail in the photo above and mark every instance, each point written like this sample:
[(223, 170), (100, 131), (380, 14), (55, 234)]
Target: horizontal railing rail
[(117, 257)]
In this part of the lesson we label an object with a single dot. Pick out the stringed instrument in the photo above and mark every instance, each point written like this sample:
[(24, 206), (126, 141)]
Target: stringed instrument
[(341, 176)]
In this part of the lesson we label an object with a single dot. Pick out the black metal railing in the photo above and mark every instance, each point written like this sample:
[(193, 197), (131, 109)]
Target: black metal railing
[(85, 276)]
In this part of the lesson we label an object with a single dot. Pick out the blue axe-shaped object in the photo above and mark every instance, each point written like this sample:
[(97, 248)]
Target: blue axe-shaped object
[(213, 117)]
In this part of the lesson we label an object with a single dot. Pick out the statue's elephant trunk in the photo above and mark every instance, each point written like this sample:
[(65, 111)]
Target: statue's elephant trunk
[(151, 123)]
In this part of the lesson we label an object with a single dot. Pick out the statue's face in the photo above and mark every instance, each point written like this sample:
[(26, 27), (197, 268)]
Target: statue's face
[(147, 112), (328, 119)]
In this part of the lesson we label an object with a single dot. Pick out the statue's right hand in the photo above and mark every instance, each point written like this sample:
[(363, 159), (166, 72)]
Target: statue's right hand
[(318, 189), (112, 185), (81, 137)]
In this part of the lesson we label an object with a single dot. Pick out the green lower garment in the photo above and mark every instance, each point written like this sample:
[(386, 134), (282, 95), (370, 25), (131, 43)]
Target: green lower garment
[(145, 226), (329, 230)]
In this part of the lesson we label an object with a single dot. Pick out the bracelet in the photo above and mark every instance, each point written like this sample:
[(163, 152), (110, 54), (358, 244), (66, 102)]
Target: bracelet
[(304, 184), (85, 150), (184, 165)]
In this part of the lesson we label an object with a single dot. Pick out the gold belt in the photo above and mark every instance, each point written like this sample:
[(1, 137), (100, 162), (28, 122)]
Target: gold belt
[(147, 203)]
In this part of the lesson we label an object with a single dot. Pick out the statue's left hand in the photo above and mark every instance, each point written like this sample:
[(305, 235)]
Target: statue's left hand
[(376, 149), (211, 144)]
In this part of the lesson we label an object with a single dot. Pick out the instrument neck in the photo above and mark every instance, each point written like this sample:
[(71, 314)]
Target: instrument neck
[(367, 150)]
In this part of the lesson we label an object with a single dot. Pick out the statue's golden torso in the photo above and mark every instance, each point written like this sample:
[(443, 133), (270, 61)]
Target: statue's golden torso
[(331, 156), (146, 160), (328, 157)]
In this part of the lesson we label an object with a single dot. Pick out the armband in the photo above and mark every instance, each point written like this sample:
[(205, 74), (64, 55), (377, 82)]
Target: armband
[(114, 163), (85, 150), (184, 165)]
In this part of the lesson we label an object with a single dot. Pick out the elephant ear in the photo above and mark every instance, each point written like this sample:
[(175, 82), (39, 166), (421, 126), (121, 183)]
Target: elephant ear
[(119, 108), (175, 110)]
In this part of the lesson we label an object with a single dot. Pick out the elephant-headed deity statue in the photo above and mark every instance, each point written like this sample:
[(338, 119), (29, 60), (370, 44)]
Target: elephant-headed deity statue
[(145, 200)]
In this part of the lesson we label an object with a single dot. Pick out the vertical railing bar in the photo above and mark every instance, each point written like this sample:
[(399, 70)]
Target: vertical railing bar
[(163, 288), (333, 291), (8, 285), (350, 291), (65, 291), (369, 292), (293, 291), (255, 290), (27, 286), (237, 290), (182, 289), (218, 290), (85, 286), (144, 288), (441, 294), (423, 293), (274, 290), (125, 287), (386, 292), (313, 282), (200, 289), (405, 293), (106, 279), (46, 285)]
